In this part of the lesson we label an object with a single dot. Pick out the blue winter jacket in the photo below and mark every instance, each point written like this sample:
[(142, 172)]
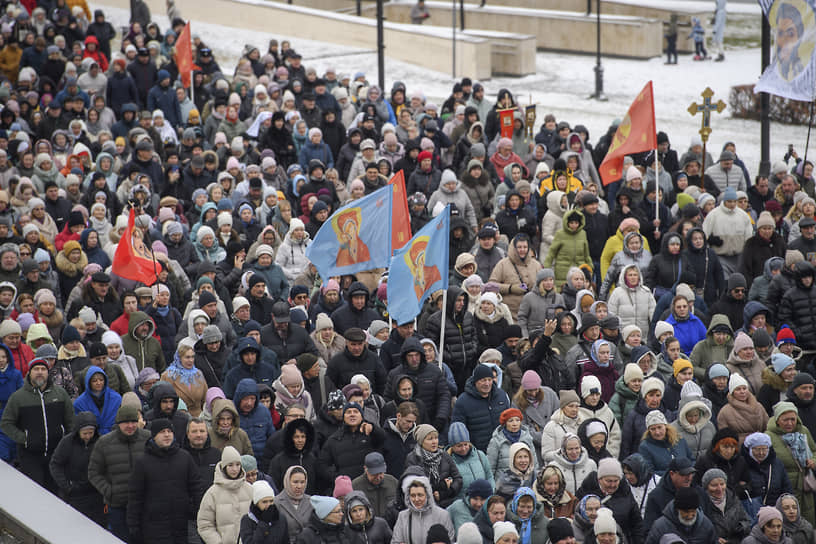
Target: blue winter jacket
[(660, 453), (164, 99), (320, 151), (480, 415), (106, 417), (689, 332), (258, 422), (10, 381)]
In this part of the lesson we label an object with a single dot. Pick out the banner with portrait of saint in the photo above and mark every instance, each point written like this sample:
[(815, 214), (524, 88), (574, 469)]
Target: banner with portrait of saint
[(792, 72)]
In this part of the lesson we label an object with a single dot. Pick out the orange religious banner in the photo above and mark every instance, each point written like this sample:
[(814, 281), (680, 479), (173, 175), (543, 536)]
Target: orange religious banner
[(506, 122), (401, 217), (184, 56), (635, 134)]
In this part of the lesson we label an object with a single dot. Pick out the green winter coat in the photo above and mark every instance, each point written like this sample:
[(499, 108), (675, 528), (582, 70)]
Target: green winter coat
[(795, 473), (37, 420), (147, 352), (568, 248), (623, 401), (706, 352)]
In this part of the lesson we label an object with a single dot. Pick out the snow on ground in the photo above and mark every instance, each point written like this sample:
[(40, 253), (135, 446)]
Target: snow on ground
[(562, 85)]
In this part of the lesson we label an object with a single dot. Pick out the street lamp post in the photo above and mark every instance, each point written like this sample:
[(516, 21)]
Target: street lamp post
[(599, 92), (765, 104), (380, 46)]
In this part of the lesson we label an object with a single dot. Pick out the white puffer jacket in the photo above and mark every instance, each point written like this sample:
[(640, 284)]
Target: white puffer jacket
[(632, 305), (224, 503)]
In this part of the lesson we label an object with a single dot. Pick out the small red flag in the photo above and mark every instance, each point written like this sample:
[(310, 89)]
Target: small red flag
[(401, 217), (506, 118), (184, 56), (130, 260), (635, 134)]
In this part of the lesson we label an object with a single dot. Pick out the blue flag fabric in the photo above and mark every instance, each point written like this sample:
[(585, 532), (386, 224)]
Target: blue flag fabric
[(356, 237), (419, 268), (792, 72)]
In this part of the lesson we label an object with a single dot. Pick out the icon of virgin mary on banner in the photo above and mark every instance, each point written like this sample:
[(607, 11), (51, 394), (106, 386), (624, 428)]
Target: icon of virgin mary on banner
[(424, 276), (347, 227)]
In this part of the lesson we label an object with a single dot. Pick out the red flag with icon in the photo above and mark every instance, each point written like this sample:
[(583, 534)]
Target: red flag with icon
[(132, 260)]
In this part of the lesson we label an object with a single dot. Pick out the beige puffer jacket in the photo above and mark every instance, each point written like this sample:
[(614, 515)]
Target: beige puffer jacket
[(224, 503)]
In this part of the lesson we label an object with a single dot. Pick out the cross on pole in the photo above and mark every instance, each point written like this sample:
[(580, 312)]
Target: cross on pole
[(706, 108)]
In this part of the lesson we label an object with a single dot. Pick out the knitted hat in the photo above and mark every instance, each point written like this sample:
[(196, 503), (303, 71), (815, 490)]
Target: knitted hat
[(479, 373), (632, 372), (663, 327), (628, 330), (437, 532), (783, 407), (211, 334), (530, 380), (560, 528), (713, 474), (736, 281), (742, 341), (458, 433), (686, 498), (767, 514), (784, 335), (159, 425), (421, 432), (609, 466), (290, 375), (468, 532), (652, 384), (780, 362), (605, 522), (509, 413), (305, 361), (718, 370), (375, 327), (762, 339), (793, 256), (589, 385), (633, 173), (342, 486), (131, 399), (680, 365), (736, 381), (655, 417), (127, 414), (765, 219), (567, 397), (803, 378), (147, 374), (596, 427), (757, 439), (501, 528), (323, 506), (480, 488), (69, 334), (261, 490)]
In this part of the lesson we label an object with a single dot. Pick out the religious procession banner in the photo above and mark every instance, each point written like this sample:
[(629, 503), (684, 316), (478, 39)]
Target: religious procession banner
[(419, 269), (792, 72), (635, 134), (356, 237)]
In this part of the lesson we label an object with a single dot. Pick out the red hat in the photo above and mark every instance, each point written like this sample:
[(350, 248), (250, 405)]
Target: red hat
[(510, 412), (424, 155), (785, 335)]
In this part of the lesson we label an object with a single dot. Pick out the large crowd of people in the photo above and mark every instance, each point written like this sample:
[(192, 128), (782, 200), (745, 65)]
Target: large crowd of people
[(629, 363)]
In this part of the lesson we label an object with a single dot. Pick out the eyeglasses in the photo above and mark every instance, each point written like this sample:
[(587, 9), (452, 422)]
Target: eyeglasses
[(25, 254)]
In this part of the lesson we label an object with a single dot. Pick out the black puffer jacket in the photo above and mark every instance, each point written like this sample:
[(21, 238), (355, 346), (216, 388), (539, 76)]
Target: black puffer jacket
[(621, 502), (374, 530), (429, 384), (798, 307), (69, 467), (179, 419), (776, 290), (112, 461), (165, 488), (664, 268), (347, 316), (706, 266), (447, 469), (268, 527), (211, 363), (344, 452), (460, 351), (290, 456), (298, 341), (343, 366), (735, 468), (318, 532), (734, 524)]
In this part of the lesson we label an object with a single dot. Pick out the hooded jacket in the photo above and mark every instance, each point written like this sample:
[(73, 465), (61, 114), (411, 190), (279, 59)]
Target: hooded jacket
[(707, 352), (429, 383), (511, 273), (794, 471), (798, 308), (69, 468), (535, 306), (224, 503), (347, 316), (237, 438), (103, 406), (374, 530), (699, 436), (413, 523), (460, 336), (621, 502), (289, 456), (634, 305), (623, 258), (146, 352), (551, 223), (257, 423), (568, 248), (457, 197)]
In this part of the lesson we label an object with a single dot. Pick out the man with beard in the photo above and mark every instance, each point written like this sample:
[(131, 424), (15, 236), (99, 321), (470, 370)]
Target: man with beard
[(684, 518), (801, 394), (35, 417)]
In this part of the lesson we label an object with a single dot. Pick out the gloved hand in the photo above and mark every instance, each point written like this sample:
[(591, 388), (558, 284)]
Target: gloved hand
[(516, 290), (715, 241)]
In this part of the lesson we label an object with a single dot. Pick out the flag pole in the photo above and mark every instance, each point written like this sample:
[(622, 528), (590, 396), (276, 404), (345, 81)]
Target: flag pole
[(442, 327), (657, 187), (192, 88)]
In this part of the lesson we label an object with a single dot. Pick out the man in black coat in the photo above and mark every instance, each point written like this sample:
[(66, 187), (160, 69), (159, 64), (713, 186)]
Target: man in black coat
[(609, 484), (165, 403), (460, 335), (260, 304), (103, 31), (798, 307), (391, 348), (286, 339), (356, 359), (356, 311), (197, 444), (679, 474), (399, 437), (344, 452), (801, 394), (431, 386), (165, 487)]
